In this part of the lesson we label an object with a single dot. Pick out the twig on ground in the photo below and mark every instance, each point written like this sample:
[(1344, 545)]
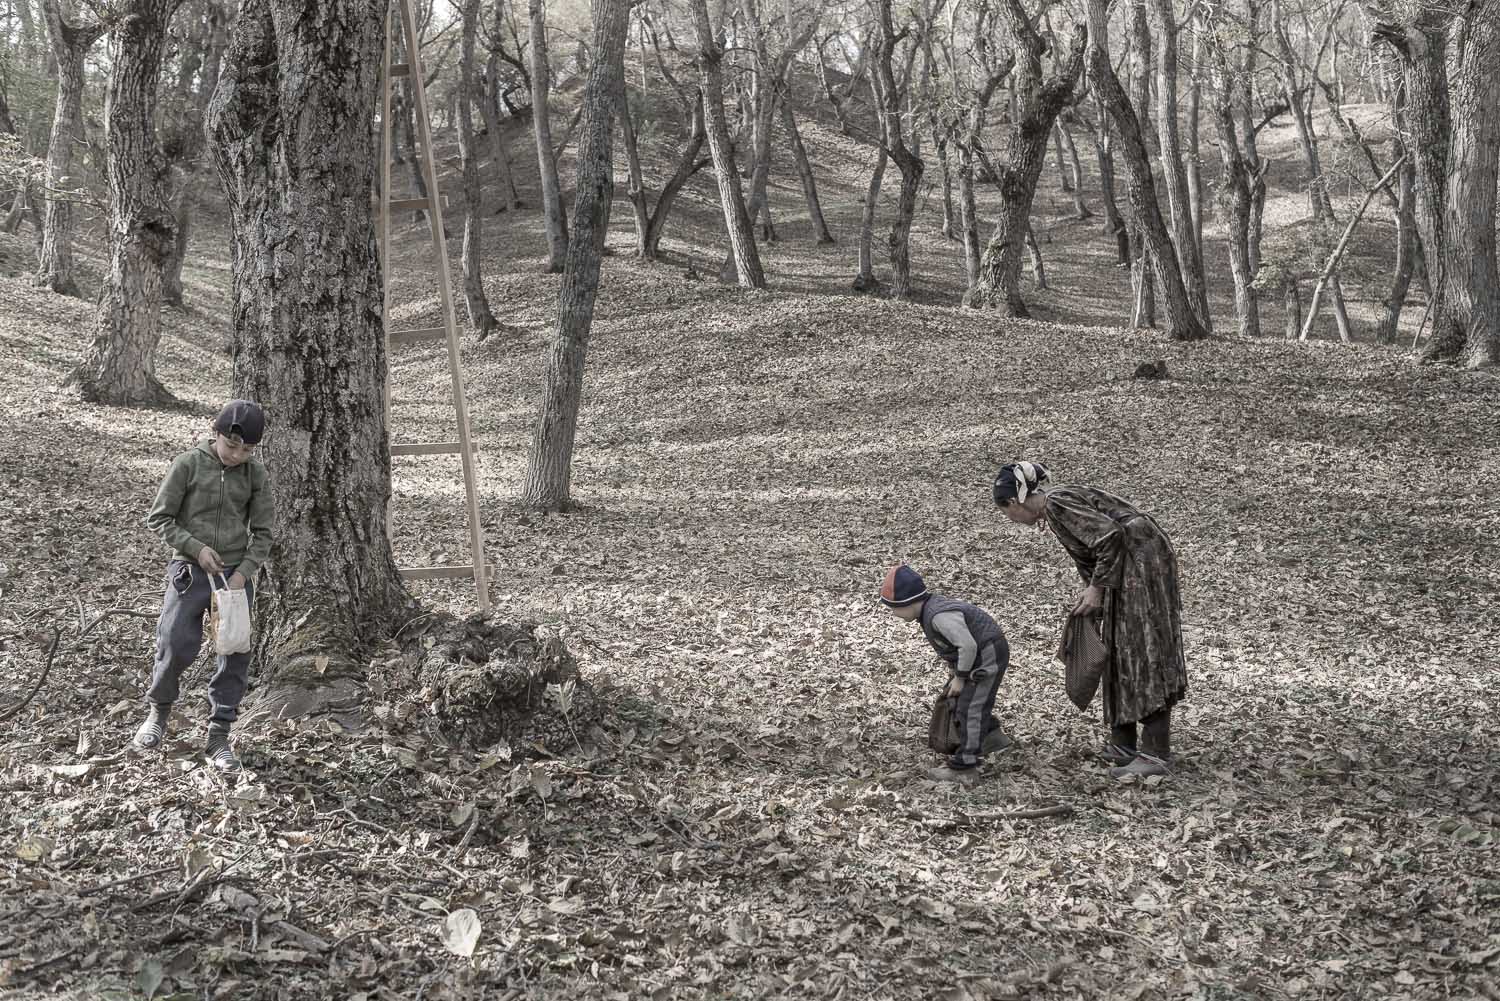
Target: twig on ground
[(473, 825), (126, 879), (40, 679)]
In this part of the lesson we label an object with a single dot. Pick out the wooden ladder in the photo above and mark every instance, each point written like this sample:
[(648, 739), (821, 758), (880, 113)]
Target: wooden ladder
[(399, 17)]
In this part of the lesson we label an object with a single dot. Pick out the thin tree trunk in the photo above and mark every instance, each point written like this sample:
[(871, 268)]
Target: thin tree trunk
[(1182, 321), (805, 173), (1174, 171), (1060, 153), (969, 219), (688, 164), (1253, 163), (909, 164), (1291, 306), (1140, 56), (1081, 209), (541, 120), (481, 318), (1114, 221), (1236, 182), (737, 223), (404, 116), (549, 468), (1038, 266), (940, 145), (289, 128), (1194, 160), (70, 45), (865, 280), (637, 190), (182, 202), (1390, 323), (120, 364), (510, 198), (1338, 251)]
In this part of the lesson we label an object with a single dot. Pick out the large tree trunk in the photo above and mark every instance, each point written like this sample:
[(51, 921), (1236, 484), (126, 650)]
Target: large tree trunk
[(731, 196), (804, 172), (120, 364), (1174, 170), (1038, 105), (541, 120), (1182, 321), (1466, 320), (290, 132), (548, 470), (908, 163), (481, 319), (70, 44)]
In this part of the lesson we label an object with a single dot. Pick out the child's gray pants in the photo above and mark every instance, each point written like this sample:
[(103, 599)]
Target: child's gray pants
[(179, 634)]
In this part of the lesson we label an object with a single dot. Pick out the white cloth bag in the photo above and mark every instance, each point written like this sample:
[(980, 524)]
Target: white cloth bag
[(231, 617)]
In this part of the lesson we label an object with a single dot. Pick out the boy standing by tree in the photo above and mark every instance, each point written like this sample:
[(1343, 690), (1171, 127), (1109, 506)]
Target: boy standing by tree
[(972, 644), (214, 510)]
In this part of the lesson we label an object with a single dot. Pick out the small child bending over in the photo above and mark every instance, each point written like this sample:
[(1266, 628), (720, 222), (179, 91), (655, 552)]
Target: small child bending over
[(969, 640)]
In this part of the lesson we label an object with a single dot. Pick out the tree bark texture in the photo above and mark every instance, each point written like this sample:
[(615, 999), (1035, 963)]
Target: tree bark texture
[(548, 469), (1182, 321), (864, 279), (1174, 169), (1140, 51), (1114, 221), (119, 365), (481, 319), (70, 45), (731, 195), (541, 121), (290, 133), (688, 164), (1081, 208), (1038, 105), (1236, 185), (183, 201), (909, 164)]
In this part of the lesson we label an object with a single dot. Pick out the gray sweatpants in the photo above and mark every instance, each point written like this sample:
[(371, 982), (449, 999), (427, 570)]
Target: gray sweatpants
[(976, 702), (179, 635)]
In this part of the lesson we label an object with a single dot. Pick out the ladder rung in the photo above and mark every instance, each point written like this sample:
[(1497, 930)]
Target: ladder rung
[(411, 205), (433, 573), (431, 448), (400, 69), (419, 335)]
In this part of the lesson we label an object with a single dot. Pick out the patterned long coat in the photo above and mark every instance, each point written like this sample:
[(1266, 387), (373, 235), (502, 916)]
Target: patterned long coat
[(1126, 552)]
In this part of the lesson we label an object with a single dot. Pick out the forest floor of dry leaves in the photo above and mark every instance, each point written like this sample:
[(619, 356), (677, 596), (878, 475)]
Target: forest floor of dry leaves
[(752, 820)]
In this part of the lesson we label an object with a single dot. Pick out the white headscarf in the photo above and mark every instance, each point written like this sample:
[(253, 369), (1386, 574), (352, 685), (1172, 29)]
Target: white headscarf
[(1027, 476)]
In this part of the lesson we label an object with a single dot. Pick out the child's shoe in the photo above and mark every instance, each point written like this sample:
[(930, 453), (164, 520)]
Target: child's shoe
[(218, 752), (151, 732), (1117, 754), (947, 773), (1143, 765), (994, 742)]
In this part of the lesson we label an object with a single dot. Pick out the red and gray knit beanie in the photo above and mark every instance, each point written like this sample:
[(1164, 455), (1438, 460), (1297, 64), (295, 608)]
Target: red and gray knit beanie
[(902, 586)]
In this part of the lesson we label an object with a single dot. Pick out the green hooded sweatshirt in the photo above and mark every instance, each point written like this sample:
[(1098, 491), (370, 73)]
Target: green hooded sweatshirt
[(203, 502)]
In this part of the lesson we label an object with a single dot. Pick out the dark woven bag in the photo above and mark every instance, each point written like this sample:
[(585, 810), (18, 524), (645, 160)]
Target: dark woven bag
[(1084, 655), (942, 728)]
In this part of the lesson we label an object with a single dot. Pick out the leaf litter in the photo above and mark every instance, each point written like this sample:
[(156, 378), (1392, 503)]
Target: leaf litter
[(736, 806)]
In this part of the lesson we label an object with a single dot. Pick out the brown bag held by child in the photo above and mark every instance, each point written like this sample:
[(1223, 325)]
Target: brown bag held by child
[(1084, 654), (942, 728)]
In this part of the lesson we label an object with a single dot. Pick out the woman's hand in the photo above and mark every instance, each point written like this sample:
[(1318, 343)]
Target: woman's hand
[(1090, 601)]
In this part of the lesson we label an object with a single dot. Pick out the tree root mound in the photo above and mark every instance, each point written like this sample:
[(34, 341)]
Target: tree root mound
[(479, 682)]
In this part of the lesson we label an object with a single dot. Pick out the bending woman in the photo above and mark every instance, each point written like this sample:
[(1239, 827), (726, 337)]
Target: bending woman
[(1130, 572)]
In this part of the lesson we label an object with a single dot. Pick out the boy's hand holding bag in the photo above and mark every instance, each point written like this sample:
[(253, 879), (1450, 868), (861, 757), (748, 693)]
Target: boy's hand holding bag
[(230, 616)]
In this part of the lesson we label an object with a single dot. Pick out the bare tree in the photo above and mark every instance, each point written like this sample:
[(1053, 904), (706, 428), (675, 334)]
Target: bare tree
[(892, 138), (71, 40), (120, 363), (1454, 99), (1183, 322), (1174, 167), (480, 317), (1038, 103), (549, 467), (541, 119), (731, 195)]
